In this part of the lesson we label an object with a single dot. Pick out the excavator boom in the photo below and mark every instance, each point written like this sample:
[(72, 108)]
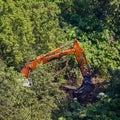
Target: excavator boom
[(57, 53)]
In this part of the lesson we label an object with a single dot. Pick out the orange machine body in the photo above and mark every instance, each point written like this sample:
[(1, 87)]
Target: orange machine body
[(76, 49)]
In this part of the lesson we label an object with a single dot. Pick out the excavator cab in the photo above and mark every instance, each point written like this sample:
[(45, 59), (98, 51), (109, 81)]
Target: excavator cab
[(28, 83)]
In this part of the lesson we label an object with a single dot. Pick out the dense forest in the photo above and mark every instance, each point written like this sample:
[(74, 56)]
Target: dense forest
[(29, 28)]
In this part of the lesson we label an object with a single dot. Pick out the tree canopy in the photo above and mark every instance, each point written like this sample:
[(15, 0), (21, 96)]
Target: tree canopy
[(29, 28)]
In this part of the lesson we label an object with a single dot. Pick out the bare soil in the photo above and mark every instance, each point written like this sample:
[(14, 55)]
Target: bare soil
[(100, 86)]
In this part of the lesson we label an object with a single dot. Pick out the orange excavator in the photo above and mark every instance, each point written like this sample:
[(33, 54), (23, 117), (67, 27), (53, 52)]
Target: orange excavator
[(87, 85)]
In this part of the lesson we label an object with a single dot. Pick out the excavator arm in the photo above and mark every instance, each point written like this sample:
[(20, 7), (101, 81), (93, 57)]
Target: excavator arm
[(75, 49)]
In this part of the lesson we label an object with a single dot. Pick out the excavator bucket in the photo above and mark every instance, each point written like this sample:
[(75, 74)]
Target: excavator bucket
[(85, 89), (83, 92)]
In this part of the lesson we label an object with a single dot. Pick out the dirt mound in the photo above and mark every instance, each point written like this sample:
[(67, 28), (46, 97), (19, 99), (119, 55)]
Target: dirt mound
[(100, 86)]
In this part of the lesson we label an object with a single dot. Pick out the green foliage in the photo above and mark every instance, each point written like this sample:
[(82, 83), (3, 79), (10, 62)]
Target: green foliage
[(25, 24), (16, 35), (30, 28), (92, 24), (108, 108), (10, 99), (101, 56), (20, 103), (105, 109)]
